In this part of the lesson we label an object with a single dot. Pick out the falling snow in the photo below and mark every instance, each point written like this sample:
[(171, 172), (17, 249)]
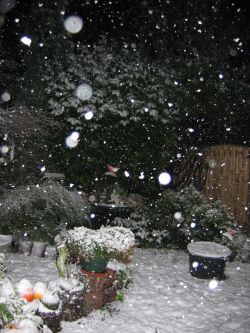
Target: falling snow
[(26, 40)]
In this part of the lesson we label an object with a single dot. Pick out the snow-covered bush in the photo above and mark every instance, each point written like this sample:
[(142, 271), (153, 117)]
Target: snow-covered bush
[(146, 233), (177, 218), (134, 116), (108, 242), (40, 210), (145, 112)]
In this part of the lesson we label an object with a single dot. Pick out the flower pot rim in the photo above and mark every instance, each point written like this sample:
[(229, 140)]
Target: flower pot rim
[(93, 273)]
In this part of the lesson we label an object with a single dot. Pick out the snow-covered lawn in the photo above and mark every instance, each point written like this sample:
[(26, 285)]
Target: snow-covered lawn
[(163, 296)]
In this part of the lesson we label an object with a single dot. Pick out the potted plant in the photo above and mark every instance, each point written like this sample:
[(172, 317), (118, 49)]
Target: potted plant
[(92, 249), (96, 260)]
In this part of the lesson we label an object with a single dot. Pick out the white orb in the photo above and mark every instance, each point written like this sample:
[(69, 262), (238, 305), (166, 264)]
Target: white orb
[(193, 225), (195, 264), (75, 135), (164, 178), (4, 149), (88, 115), (43, 168), (84, 91), (70, 142), (5, 96), (212, 164), (233, 52), (73, 24), (92, 198), (213, 284), (178, 215)]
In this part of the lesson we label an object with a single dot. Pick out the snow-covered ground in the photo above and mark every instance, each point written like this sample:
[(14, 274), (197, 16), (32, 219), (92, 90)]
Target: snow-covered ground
[(163, 296)]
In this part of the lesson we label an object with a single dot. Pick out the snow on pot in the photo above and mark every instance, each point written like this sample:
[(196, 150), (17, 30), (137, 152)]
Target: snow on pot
[(207, 259), (72, 294), (51, 318)]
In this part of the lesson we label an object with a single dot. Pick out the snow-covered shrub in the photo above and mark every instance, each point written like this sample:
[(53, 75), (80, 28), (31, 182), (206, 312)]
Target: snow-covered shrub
[(133, 113), (177, 218), (108, 242), (40, 210), (146, 233), (188, 217)]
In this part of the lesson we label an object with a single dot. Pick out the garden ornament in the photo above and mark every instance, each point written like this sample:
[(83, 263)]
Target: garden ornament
[(62, 256), (111, 170)]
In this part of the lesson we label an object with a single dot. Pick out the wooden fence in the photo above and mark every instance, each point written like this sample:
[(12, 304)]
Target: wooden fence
[(228, 179)]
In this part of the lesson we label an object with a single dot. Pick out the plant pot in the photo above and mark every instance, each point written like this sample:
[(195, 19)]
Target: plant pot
[(50, 252), (95, 265), (25, 247), (207, 260), (5, 243), (38, 249)]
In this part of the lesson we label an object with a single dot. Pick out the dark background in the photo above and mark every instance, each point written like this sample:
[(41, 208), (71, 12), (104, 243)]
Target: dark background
[(136, 20)]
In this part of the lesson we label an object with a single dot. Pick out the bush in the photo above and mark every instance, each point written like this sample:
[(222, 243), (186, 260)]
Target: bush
[(178, 218), (41, 210)]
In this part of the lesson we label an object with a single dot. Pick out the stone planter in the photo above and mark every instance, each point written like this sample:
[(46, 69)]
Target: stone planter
[(25, 247), (5, 243), (50, 252), (38, 249), (50, 318), (73, 306), (207, 260), (105, 213)]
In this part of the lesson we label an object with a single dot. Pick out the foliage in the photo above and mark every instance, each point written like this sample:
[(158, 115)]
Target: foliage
[(144, 113), (178, 218), (108, 242), (41, 210), (119, 296), (132, 118), (49, 46), (5, 315), (30, 135)]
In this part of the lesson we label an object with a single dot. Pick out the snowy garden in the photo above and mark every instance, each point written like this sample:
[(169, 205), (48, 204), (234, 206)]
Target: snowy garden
[(116, 214)]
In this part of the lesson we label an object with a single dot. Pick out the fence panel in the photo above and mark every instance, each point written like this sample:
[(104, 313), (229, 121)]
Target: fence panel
[(228, 178)]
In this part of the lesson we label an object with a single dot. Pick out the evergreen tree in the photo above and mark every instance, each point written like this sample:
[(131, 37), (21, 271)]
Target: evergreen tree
[(49, 46)]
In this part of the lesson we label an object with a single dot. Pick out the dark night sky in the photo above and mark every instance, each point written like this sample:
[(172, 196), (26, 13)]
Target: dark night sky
[(121, 17)]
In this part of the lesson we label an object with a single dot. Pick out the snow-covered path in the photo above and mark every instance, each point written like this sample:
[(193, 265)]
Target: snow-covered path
[(163, 295)]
